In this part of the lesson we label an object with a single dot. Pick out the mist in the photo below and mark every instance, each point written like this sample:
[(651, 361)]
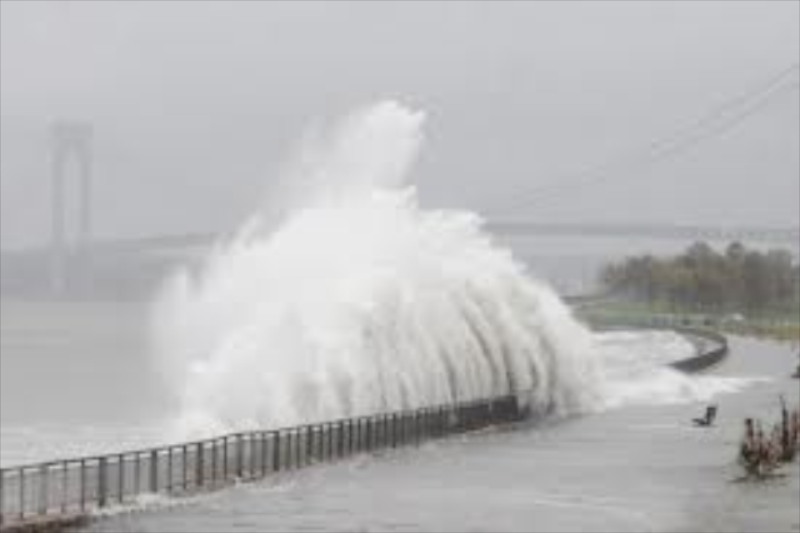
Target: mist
[(194, 106)]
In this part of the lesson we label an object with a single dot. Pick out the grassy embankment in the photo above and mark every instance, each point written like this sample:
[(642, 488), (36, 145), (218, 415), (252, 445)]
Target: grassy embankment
[(782, 326)]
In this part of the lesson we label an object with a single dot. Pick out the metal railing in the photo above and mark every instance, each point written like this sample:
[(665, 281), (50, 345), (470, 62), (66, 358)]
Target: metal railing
[(712, 350), (76, 487)]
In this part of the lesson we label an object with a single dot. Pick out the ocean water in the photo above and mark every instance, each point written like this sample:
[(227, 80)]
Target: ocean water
[(635, 467), (346, 298)]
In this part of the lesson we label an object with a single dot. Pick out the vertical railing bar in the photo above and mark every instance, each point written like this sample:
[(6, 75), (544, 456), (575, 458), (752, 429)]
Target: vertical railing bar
[(239, 456), (328, 442), (225, 458), (214, 462), (43, 474), (121, 480), (299, 448), (21, 493), (185, 465), (263, 453), (199, 465), (295, 448), (169, 470), (101, 482), (286, 456), (137, 464), (154, 471), (341, 439), (309, 444), (253, 456), (302, 443), (63, 489), (83, 485), (276, 451)]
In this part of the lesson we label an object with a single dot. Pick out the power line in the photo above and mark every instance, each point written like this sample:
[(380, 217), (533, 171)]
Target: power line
[(713, 123)]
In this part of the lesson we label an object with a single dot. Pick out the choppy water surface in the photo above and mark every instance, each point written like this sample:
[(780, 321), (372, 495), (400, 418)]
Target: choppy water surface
[(633, 468), (348, 299)]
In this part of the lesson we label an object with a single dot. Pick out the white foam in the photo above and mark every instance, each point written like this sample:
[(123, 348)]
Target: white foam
[(354, 300), (635, 371), (360, 301)]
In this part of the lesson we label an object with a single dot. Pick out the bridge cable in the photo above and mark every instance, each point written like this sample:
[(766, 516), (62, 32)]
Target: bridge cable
[(713, 123)]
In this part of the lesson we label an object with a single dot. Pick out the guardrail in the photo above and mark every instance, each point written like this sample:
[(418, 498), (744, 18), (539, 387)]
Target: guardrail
[(61, 491), (711, 351), (707, 356), (57, 491)]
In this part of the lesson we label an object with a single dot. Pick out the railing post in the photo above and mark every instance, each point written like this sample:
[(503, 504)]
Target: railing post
[(276, 451), (214, 462), (239, 456), (198, 476), (350, 436), (309, 444), (298, 448), (21, 493), (169, 469), (185, 466), (136, 474), (251, 441), (43, 475), (83, 485), (398, 430), (101, 482), (121, 477), (64, 473), (287, 450), (225, 458), (263, 454), (154, 471)]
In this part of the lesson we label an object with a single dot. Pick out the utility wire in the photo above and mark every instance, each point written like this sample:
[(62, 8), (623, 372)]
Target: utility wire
[(713, 123)]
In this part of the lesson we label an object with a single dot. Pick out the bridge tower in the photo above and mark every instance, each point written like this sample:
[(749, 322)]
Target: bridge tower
[(70, 139)]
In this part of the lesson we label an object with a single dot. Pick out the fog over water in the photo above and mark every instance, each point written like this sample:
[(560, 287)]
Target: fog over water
[(196, 104), (343, 163)]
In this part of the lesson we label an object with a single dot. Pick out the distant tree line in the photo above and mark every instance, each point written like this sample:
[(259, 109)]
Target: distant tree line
[(738, 279)]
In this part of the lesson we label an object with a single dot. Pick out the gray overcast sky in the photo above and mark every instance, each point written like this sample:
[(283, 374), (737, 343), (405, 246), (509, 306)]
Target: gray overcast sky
[(196, 105)]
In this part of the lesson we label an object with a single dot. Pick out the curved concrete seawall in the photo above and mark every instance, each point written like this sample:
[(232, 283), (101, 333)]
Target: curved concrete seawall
[(712, 348)]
